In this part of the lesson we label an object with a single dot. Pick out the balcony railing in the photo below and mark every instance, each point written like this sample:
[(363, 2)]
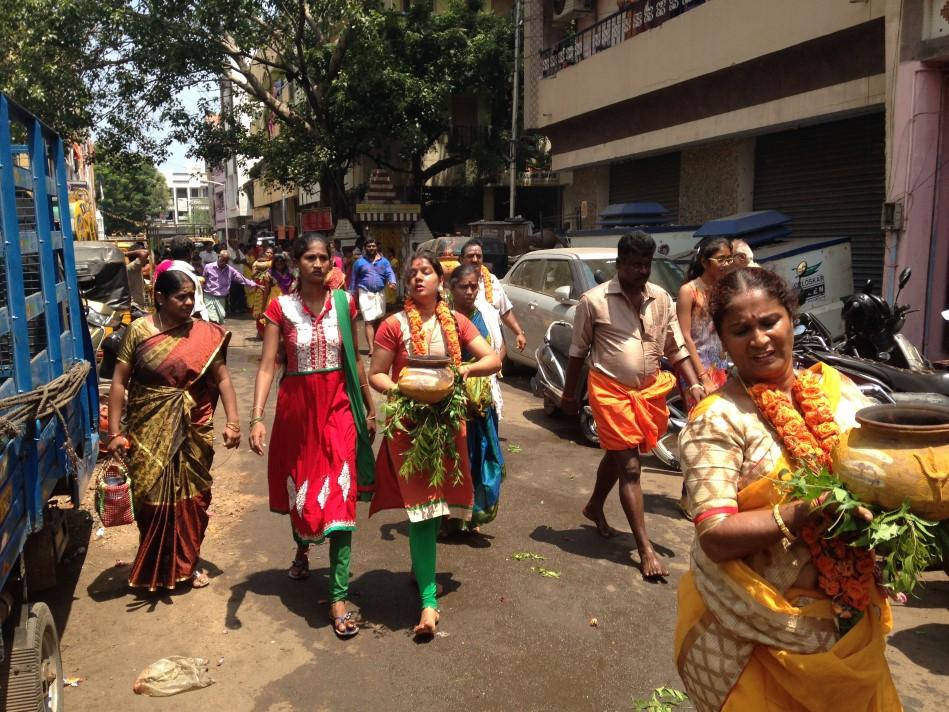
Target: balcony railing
[(635, 17)]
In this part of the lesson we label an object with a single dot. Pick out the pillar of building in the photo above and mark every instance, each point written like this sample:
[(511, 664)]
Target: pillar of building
[(586, 196), (716, 179)]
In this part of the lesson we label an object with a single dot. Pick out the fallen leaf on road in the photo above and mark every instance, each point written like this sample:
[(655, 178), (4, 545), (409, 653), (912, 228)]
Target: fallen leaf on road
[(73, 681), (220, 661), (513, 448), (594, 623), (526, 555), (546, 573)]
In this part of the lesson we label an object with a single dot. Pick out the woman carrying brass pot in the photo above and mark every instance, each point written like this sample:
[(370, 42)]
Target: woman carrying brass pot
[(425, 327), (773, 614)]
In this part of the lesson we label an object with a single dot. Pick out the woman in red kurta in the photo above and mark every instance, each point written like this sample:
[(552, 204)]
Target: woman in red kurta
[(426, 326), (320, 456)]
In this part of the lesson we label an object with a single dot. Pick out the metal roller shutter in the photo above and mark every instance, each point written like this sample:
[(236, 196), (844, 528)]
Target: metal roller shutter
[(647, 179), (830, 179)]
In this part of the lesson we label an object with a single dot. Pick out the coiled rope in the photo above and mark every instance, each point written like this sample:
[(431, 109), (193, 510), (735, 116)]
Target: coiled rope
[(17, 412)]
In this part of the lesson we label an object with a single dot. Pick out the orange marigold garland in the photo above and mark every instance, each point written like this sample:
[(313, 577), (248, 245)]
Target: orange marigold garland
[(488, 285), (809, 433), (449, 328)]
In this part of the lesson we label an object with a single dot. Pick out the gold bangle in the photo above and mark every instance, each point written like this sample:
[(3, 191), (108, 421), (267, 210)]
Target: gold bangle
[(255, 420), (779, 520), (234, 427), (370, 417)]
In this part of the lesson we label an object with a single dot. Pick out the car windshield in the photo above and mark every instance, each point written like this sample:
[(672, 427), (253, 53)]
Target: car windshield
[(665, 273)]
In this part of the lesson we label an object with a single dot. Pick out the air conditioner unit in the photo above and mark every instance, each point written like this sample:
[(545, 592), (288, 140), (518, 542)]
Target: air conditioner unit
[(567, 10)]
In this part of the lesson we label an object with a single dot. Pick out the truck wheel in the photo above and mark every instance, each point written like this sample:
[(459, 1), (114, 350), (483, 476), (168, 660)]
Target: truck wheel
[(35, 671)]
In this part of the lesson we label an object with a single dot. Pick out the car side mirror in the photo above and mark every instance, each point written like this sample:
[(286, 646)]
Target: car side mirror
[(563, 294)]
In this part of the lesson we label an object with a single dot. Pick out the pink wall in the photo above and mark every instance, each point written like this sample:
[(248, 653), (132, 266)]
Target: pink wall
[(916, 122)]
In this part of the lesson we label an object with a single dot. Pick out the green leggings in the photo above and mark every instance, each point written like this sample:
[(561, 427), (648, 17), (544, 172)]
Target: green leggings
[(423, 538), (340, 549)]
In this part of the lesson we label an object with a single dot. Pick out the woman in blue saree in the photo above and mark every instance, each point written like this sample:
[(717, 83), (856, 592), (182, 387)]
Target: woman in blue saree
[(484, 446)]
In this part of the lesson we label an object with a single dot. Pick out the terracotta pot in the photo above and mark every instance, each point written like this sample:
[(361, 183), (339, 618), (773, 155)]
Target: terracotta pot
[(427, 379), (899, 452)]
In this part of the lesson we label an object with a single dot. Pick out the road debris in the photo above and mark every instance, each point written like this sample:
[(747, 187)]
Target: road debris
[(546, 573), (172, 675), (526, 556)]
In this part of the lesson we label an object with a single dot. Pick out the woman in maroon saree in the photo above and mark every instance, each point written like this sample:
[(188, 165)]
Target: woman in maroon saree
[(174, 369)]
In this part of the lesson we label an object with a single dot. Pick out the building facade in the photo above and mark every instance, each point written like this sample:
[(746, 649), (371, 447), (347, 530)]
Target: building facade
[(190, 198), (713, 107)]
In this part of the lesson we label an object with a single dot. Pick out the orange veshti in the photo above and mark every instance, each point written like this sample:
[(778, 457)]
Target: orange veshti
[(809, 433), (488, 285), (447, 322)]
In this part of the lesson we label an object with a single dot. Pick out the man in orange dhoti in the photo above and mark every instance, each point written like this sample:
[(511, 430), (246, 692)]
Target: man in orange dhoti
[(626, 325)]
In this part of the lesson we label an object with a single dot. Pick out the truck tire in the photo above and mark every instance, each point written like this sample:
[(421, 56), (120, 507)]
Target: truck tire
[(35, 670)]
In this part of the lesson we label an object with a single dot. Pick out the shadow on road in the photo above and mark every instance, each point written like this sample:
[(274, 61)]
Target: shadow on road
[(932, 594), (61, 597), (586, 541), (113, 583), (386, 599), (924, 645)]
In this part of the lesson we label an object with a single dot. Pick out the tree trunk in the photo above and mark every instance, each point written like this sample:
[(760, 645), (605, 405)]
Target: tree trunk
[(414, 188), (333, 190)]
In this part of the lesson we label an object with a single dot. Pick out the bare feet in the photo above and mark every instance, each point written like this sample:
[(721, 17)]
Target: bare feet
[(598, 518), (427, 624), (650, 565)]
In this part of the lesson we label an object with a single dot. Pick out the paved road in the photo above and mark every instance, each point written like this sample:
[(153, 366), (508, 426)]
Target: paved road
[(510, 639)]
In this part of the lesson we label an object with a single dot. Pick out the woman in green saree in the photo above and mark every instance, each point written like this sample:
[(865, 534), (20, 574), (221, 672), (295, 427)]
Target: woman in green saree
[(173, 368)]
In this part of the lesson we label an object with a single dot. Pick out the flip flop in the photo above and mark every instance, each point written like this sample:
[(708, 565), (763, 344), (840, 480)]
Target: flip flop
[(199, 579), (347, 632)]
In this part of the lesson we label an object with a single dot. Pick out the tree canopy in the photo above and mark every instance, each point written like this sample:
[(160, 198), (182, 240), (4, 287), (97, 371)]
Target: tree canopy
[(316, 84), (133, 192)]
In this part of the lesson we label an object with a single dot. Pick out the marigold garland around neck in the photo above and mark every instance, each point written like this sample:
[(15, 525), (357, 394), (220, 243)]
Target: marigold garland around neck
[(809, 435), (447, 322), (845, 573), (488, 285)]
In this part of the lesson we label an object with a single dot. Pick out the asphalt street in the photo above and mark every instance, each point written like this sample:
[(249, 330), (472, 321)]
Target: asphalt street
[(593, 637)]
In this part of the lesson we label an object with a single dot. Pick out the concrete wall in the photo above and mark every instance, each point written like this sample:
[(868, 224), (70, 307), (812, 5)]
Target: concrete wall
[(716, 179), (709, 37)]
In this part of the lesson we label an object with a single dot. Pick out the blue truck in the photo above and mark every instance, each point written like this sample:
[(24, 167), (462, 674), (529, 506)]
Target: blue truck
[(49, 401)]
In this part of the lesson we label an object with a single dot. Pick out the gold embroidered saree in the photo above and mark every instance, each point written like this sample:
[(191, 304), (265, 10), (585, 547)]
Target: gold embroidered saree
[(757, 633), (170, 409)]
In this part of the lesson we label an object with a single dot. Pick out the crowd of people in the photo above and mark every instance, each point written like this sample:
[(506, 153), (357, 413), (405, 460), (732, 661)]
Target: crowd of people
[(757, 623)]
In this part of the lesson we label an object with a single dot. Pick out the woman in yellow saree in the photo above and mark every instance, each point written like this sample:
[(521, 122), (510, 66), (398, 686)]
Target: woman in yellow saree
[(757, 628), (173, 368)]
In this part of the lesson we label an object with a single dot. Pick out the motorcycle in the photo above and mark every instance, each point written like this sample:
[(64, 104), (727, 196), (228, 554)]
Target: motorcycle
[(548, 383), (880, 381), (872, 328)]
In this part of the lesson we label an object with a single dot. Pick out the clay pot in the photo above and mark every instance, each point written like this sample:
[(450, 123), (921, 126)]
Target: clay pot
[(899, 452), (427, 379)]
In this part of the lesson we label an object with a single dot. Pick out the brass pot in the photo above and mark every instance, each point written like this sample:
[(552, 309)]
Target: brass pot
[(899, 453), (427, 379)]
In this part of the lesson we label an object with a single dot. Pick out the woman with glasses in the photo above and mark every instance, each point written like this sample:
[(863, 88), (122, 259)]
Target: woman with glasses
[(712, 259)]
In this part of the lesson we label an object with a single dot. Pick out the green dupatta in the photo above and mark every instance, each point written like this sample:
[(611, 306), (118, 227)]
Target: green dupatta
[(365, 461)]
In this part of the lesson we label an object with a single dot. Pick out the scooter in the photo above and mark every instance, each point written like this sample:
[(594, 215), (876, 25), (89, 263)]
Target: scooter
[(872, 328), (548, 383)]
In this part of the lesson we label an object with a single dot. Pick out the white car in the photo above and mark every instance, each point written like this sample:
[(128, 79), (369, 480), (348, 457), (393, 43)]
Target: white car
[(544, 286)]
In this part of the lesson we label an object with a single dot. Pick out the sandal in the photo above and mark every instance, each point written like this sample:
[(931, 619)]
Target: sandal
[(199, 579), (344, 626), (300, 568)]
